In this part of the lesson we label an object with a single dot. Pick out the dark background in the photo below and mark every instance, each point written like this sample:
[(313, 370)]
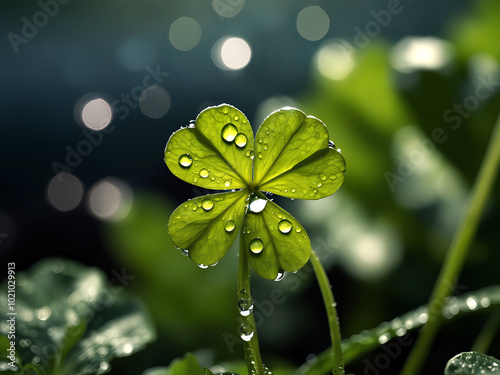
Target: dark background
[(384, 243)]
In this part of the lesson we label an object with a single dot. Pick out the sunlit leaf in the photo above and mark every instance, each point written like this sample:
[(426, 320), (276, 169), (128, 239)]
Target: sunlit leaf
[(275, 241), (207, 226), (285, 138), (318, 176), (469, 363), (188, 365), (216, 152)]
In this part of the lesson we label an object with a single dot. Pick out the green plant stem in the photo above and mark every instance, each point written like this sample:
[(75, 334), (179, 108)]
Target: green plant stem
[(457, 252), (331, 312), (487, 334), (251, 348)]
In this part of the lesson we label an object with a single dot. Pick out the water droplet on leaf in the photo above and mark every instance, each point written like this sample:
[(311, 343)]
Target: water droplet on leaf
[(185, 161), (256, 245), (229, 132), (257, 204), (241, 140), (207, 204), (229, 227), (285, 226), (260, 155), (204, 173), (227, 183)]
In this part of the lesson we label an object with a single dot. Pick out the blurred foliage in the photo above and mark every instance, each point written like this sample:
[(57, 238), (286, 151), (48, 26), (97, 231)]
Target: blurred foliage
[(69, 320), (472, 363)]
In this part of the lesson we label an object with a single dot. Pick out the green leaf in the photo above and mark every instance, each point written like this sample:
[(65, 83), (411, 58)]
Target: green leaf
[(207, 226), (188, 365), (275, 240), (55, 300), (285, 138), (469, 363), (216, 152), (318, 176)]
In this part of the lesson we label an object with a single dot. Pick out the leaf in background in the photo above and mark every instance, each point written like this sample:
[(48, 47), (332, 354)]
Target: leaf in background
[(469, 363), (188, 365), (59, 301)]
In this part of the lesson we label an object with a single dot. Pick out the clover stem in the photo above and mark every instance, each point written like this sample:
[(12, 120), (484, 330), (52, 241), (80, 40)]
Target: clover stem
[(251, 347), (331, 311), (457, 252)]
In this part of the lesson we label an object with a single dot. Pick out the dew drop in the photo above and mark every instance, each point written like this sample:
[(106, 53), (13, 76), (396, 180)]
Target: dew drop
[(185, 161), (342, 168), (229, 227), (229, 132), (260, 140), (195, 179), (319, 184), (298, 229), (240, 140), (257, 204), (185, 252), (256, 245), (333, 177), (227, 183), (265, 146), (315, 191), (250, 153), (246, 332), (280, 276), (236, 118), (202, 266), (331, 145), (225, 110), (207, 204), (322, 177), (285, 226), (245, 303), (293, 190), (260, 155), (204, 173)]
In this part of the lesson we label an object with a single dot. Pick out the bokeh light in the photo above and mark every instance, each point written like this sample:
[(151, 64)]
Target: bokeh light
[(64, 192), (231, 53), (136, 53), (313, 23), (185, 33), (413, 53), (110, 199), (96, 114), (154, 102), (335, 59)]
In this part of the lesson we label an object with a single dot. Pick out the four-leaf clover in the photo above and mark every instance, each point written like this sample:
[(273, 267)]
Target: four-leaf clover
[(291, 156)]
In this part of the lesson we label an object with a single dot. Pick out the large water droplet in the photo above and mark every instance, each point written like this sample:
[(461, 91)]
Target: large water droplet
[(229, 132), (207, 204), (229, 227), (285, 226), (322, 177), (204, 173), (257, 204), (241, 140), (245, 303), (256, 245), (246, 332), (227, 183), (185, 161)]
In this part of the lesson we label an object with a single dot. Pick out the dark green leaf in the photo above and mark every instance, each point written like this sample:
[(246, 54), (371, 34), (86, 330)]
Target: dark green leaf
[(188, 365), (207, 226), (469, 363), (216, 152), (275, 240)]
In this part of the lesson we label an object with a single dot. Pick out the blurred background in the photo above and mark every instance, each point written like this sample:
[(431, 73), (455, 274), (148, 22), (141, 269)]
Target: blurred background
[(409, 90)]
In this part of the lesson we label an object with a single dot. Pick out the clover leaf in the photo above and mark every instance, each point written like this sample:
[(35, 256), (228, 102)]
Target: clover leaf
[(291, 156)]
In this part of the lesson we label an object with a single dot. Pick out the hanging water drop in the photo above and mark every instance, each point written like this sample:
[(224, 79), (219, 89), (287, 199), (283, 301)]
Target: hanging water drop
[(245, 303), (185, 252), (207, 204), (246, 332), (229, 132), (285, 226), (202, 266), (185, 161), (280, 276), (256, 245), (204, 173), (331, 145), (240, 140), (229, 227)]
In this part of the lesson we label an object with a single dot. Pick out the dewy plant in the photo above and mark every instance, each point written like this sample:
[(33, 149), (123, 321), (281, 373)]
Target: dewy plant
[(291, 156)]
